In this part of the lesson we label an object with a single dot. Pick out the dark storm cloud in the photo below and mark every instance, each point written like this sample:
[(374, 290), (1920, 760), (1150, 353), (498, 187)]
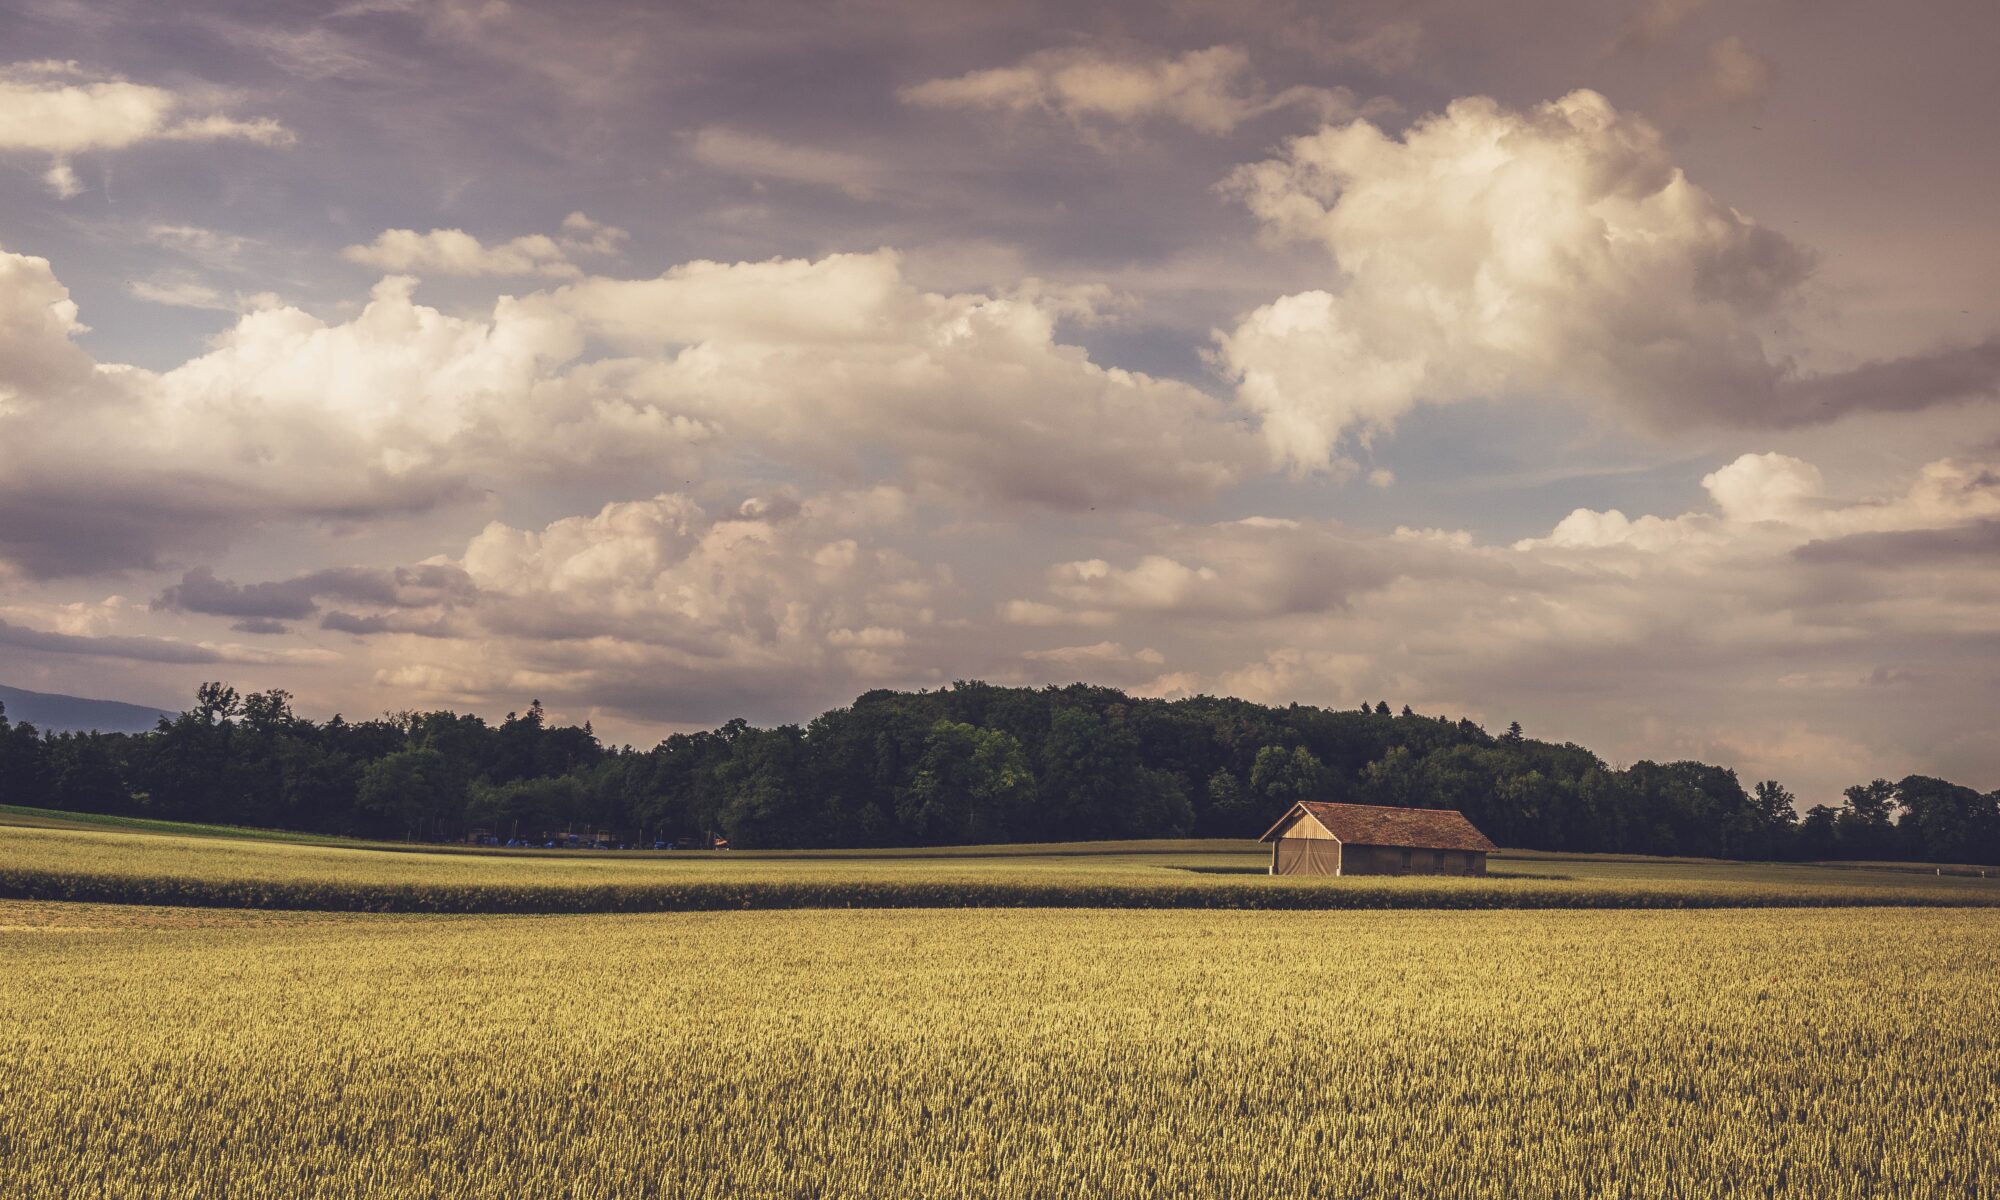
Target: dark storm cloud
[(1978, 542), (199, 591), (66, 528), (364, 626), (143, 649), (1905, 384)]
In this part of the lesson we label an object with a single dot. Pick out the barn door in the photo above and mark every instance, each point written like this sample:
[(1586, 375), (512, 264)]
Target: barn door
[(1307, 856)]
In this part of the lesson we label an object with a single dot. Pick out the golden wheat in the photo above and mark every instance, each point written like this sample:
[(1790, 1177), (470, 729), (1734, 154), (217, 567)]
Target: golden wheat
[(1816, 1053)]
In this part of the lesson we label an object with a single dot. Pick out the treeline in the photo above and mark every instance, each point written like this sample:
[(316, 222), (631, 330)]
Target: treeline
[(970, 763)]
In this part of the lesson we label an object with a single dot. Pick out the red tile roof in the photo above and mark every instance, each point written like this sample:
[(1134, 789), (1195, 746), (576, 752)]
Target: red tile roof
[(1377, 825)]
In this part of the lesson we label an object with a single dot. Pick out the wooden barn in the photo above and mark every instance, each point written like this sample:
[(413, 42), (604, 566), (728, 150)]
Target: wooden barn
[(1318, 838)]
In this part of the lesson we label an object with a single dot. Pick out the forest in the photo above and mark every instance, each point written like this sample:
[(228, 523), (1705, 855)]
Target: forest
[(971, 763)]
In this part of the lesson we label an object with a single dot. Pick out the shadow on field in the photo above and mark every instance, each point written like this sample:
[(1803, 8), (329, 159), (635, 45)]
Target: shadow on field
[(1267, 871)]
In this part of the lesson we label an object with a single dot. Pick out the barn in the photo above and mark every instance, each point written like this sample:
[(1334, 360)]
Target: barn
[(1319, 838)]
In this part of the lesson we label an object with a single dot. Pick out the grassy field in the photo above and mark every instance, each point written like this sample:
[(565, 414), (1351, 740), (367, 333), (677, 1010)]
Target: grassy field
[(155, 1052), (40, 862)]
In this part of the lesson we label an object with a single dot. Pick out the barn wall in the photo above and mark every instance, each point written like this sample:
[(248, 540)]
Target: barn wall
[(1388, 860), (1305, 856), (1306, 826)]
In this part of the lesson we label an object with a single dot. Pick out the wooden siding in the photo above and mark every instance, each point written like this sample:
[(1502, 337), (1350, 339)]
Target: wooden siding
[(1399, 860), (1308, 826), (1305, 856)]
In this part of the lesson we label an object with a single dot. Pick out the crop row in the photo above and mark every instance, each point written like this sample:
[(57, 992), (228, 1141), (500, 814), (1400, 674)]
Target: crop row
[(707, 895)]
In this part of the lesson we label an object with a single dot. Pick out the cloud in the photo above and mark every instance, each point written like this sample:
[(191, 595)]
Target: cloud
[(286, 417), (1346, 35), (423, 586), (1781, 499), (456, 252), (180, 291), (1211, 91), (58, 110), (38, 322), (205, 245), (648, 602), (1978, 542), (757, 157), (818, 362), (1099, 662), (1947, 375), (837, 367), (1733, 78), (1493, 253), (1655, 21), (1721, 631), (147, 649)]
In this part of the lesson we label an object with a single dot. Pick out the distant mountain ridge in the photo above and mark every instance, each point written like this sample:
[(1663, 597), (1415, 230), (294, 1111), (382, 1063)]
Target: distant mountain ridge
[(54, 713)]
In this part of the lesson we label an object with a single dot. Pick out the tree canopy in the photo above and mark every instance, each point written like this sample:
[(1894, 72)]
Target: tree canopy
[(965, 764)]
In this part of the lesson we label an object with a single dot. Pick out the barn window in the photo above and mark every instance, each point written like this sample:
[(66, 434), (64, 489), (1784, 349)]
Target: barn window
[(1406, 860), (1437, 860)]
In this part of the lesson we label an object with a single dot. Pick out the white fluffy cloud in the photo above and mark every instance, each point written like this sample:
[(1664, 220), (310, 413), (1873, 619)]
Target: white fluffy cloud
[(57, 110), (1780, 500), (824, 361), (1211, 91), (667, 604), (836, 366), (38, 359), (456, 252), (1491, 252)]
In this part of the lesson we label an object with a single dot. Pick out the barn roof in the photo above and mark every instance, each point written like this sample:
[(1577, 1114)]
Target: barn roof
[(1378, 825)]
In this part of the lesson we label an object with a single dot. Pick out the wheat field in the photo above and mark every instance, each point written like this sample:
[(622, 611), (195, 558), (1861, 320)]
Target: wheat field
[(155, 1052), (38, 863)]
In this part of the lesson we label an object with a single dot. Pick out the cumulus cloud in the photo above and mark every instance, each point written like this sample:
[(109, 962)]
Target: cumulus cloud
[(1557, 251), (456, 252), (57, 110), (1777, 497), (665, 603), (818, 360), (39, 360), (837, 366), (1211, 91)]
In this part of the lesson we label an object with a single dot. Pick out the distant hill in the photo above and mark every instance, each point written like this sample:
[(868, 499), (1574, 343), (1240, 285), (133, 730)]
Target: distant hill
[(53, 713)]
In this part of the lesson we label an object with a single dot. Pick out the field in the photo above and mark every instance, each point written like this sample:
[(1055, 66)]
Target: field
[(43, 859), (149, 1052), (985, 1022)]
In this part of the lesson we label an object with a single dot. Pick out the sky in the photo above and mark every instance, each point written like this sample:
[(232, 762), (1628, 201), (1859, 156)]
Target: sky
[(1624, 369)]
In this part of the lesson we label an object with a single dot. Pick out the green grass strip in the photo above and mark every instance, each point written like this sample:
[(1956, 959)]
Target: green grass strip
[(713, 895)]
